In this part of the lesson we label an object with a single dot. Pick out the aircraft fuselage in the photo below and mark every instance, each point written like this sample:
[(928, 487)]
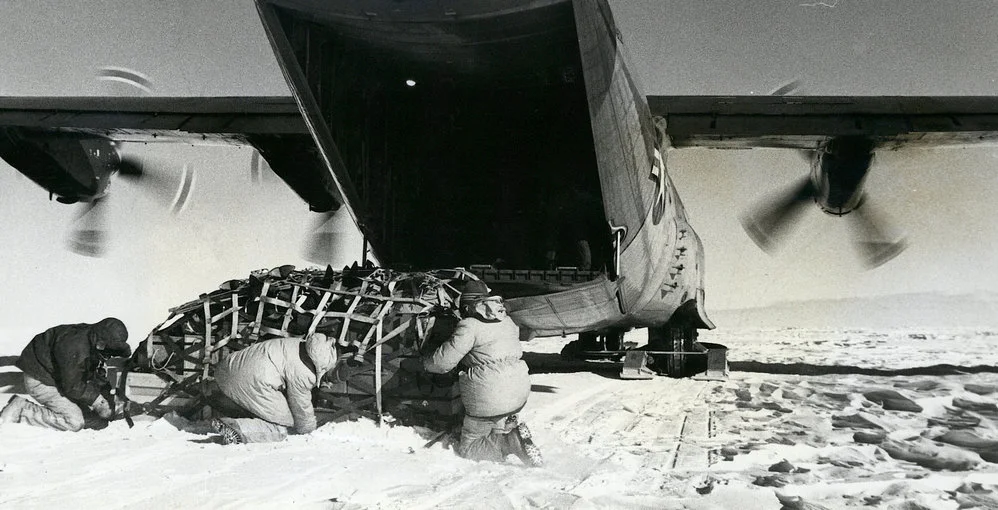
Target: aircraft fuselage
[(501, 108)]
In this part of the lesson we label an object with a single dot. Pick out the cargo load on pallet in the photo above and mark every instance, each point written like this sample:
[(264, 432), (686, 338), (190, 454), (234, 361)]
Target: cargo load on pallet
[(376, 316)]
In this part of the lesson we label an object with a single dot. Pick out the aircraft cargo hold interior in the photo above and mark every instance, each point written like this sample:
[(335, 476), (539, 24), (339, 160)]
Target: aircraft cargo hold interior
[(444, 141)]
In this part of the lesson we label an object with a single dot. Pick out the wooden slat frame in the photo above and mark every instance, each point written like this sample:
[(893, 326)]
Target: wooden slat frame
[(181, 386), (388, 311), (259, 310), (291, 306), (362, 344), (319, 311), (378, 383), (346, 319), (351, 408)]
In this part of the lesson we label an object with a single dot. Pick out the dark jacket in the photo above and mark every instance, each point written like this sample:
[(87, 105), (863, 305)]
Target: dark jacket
[(67, 357)]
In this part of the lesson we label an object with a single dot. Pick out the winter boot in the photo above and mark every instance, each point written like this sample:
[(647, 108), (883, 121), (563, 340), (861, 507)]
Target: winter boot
[(512, 421), (230, 434), (519, 442), (11, 412)]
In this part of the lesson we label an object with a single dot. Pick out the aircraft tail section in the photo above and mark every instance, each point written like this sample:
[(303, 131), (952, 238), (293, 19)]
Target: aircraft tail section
[(623, 130), (658, 254)]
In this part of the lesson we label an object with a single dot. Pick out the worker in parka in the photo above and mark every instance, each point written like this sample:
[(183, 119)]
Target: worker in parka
[(494, 380), (272, 382), (64, 372)]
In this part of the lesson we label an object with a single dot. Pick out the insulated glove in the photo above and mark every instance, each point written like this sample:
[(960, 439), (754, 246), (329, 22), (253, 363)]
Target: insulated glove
[(102, 407)]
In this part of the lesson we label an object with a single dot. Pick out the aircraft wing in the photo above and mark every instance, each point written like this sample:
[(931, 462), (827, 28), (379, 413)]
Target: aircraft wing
[(157, 118), (273, 125), (806, 122)]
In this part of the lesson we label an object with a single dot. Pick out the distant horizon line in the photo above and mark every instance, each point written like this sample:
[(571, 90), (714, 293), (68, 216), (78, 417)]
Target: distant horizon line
[(980, 293)]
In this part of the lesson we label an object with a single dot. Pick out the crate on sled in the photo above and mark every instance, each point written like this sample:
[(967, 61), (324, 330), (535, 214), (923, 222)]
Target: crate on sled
[(374, 316), (143, 388), (401, 392)]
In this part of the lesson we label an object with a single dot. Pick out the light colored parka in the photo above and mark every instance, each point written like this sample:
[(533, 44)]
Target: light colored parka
[(271, 380), (494, 380)]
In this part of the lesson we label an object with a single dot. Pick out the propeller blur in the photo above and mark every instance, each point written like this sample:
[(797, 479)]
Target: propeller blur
[(838, 170)]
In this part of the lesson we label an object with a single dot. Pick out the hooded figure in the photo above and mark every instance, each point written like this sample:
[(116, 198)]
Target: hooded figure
[(494, 381), (273, 381), (64, 371)]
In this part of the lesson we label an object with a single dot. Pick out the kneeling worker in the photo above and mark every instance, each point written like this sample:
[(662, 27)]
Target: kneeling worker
[(494, 381), (64, 371), (272, 382)]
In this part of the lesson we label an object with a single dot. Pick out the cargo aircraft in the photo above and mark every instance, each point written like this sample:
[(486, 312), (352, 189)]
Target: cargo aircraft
[(507, 136)]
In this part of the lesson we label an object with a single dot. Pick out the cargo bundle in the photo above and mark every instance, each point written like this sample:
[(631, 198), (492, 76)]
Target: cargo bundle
[(377, 317)]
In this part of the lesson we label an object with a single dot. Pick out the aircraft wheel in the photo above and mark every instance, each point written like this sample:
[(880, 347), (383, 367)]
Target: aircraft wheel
[(593, 342), (676, 339), (613, 340), (675, 363), (586, 342)]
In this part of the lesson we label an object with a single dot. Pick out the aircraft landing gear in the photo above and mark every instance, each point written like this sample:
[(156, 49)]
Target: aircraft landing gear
[(672, 350), (676, 340), (592, 345)]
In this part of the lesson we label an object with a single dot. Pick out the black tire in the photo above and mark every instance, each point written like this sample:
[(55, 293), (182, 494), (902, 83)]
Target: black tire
[(673, 339), (586, 342), (675, 363), (572, 351), (589, 341), (614, 340)]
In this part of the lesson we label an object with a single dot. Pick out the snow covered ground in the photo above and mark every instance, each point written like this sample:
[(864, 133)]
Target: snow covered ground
[(740, 443)]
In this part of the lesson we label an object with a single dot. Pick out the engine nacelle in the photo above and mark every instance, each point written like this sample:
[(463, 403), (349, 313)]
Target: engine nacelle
[(74, 167), (838, 172)]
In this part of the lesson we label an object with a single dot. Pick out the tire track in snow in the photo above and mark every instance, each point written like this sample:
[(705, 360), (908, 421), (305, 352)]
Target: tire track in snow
[(560, 410)]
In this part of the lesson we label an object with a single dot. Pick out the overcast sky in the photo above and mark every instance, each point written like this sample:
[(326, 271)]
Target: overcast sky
[(856, 47), (942, 198), (186, 47)]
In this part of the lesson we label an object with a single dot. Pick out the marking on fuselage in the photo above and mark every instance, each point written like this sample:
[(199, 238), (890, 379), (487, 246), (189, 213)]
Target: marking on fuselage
[(658, 173), (671, 287)]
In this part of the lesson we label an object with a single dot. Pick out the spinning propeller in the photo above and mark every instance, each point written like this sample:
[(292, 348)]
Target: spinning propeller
[(324, 239), (156, 179), (835, 184)]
